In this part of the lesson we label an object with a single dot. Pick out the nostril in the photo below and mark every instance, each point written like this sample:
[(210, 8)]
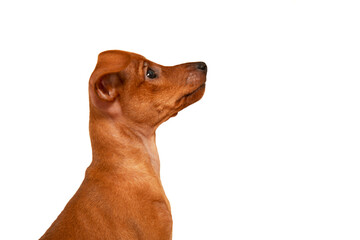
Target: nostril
[(202, 66)]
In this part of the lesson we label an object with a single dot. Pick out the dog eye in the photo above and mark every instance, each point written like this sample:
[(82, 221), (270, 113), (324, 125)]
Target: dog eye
[(150, 73)]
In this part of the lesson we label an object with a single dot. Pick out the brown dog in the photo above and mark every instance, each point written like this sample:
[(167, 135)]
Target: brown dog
[(122, 196)]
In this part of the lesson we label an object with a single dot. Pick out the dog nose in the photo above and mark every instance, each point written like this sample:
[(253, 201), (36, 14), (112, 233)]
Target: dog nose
[(202, 66)]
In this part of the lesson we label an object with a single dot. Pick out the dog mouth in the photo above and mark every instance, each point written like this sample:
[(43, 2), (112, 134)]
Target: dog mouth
[(202, 86), (191, 97)]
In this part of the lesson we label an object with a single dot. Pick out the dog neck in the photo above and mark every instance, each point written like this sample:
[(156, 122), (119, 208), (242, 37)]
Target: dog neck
[(122, 147)]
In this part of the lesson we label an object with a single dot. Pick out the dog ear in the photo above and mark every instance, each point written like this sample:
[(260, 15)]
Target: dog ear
[(107, 87), (105, 81)]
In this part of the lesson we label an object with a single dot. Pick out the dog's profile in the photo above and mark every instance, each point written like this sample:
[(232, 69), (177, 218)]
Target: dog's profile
[(122, 196)]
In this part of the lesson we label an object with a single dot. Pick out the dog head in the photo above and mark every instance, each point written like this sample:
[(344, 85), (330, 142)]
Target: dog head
[(128, 86)]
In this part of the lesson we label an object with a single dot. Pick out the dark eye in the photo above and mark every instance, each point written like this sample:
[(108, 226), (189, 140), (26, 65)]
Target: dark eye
[(150, 73)]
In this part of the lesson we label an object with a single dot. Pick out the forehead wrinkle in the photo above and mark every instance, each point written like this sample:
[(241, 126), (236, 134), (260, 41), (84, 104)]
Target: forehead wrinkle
[(141, 64)]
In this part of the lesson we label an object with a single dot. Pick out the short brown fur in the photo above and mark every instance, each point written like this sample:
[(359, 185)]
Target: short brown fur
[(122, 196)]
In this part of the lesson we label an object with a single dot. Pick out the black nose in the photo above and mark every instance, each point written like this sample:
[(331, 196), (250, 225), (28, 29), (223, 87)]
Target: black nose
[(202, 66)]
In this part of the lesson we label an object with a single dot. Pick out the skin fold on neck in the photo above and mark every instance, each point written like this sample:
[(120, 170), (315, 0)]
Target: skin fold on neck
[(126, 147)]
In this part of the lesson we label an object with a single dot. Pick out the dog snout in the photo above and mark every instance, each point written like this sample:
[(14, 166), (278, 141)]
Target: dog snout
[(201, 66)]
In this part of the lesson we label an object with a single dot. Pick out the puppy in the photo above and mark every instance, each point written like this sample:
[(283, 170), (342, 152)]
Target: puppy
[(122, 196)]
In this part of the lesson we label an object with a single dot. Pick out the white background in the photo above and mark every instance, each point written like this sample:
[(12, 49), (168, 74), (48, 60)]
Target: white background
[(270, 152)]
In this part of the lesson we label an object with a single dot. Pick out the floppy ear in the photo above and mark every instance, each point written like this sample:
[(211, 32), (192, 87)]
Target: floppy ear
[(105, 81)]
